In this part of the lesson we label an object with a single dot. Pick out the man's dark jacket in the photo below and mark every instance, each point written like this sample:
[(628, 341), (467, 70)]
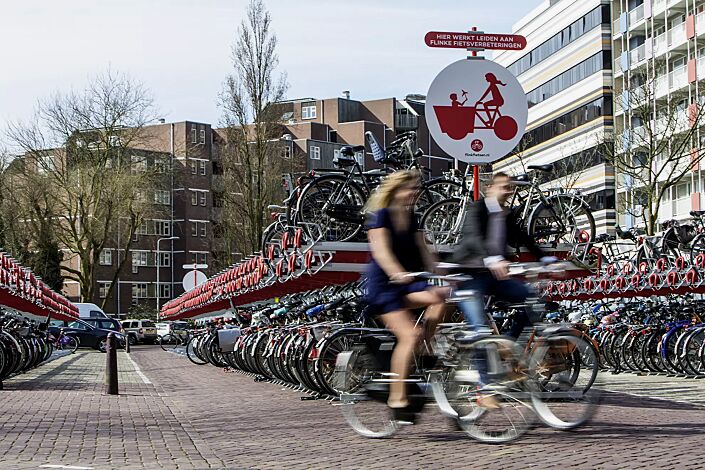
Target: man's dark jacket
[(473, 246)]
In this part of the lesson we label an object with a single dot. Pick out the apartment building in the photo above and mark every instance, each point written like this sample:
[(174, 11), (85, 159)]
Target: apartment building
[(566, 72), (664, 41), (183, 209), (318, 128)]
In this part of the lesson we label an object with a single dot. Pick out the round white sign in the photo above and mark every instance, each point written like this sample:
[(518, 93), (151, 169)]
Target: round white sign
[(193, 279), (476, 110)]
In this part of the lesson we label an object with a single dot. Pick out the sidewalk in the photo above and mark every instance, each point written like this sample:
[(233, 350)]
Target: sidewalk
[(173, 414), (57, 415)]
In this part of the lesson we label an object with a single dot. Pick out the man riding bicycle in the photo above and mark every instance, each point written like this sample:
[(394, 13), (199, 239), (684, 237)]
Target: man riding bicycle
[(488, 232)]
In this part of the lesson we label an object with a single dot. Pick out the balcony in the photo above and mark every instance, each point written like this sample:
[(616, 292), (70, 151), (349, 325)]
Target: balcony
[(676, 36), (700, 68), (615, 27), (678, 78), (636, 15), (406, 122), (660, 44), (661, 86), (658, 6), (637, 55), (700, 23)]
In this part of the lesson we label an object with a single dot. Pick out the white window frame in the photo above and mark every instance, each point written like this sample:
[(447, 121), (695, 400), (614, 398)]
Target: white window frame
[(140, 290), (162, 196), (140, 258), (103, 287), (203, 231), (162, 227), (164, 290), (314, 152), (308, 111), (164, 259), (202, 167), (194, 197), (202, 134), (194, 229), (106, 257), (194, 167), (194, 134), (202, 198)]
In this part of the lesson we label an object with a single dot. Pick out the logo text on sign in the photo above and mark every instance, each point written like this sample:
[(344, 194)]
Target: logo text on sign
[(474, 40)]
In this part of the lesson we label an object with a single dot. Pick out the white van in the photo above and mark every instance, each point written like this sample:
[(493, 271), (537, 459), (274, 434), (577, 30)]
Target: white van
[(90, 311)]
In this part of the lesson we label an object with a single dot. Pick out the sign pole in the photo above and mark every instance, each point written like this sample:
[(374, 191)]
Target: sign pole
[(475, 168)]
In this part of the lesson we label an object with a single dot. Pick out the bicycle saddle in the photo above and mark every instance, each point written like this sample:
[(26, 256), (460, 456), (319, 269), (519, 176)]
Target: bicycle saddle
[(545, 168)]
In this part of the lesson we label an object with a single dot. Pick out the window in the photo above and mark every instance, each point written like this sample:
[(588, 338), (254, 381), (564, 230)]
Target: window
[(140, 258), (162, 227), (315, 152), (336, 155), (568, 78), (194, 167), (164, 290), (308, 110), (561, 39), (202, 167), (164, 259), (142, 229), (203, 136), (162, 197), (139, 163), (106, 257), (194, 229), (77, 325), (202, 198), (103, 289), (202, 258), (46, 164), (218, 199), (194, 134), (194, 198), (203, 229), (161, 165), (286, 152), (140, 290), (360, 158)]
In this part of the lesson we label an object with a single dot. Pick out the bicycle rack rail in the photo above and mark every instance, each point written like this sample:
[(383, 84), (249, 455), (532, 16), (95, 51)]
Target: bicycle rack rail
[(22, 290)]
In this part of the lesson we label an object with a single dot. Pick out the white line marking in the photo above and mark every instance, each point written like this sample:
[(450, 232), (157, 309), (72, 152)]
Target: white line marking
[(68, 467), (138, 371)]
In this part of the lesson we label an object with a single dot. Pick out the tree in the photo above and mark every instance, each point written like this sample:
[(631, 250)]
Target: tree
[(658, 148), (252, 153), (80, 173)]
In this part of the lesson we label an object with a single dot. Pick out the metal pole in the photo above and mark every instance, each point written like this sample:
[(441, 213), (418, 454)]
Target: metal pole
[(158, 269), (111, 371), (475, 182)]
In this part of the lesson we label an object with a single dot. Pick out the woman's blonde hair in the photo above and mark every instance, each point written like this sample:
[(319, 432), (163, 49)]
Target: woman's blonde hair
[(384, 194)]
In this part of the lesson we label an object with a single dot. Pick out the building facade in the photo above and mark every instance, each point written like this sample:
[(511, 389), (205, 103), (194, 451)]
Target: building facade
[(659, 61), (566, 72)]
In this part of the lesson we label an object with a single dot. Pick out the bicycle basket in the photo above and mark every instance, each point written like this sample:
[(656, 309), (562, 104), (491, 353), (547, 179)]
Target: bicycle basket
[(377, 151)]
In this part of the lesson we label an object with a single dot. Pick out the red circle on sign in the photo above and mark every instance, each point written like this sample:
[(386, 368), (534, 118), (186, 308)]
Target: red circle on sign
[(476, 145)]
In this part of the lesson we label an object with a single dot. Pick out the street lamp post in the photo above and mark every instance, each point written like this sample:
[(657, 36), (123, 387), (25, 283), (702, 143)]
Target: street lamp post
[(159, 268)]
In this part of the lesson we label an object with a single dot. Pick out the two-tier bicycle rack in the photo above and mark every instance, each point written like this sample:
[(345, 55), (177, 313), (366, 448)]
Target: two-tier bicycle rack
[(22, 291)]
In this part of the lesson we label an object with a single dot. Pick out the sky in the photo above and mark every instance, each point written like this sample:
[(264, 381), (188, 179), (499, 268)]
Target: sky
[(180, 49)]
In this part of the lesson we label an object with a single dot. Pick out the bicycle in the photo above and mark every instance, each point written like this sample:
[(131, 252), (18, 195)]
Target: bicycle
[(519, 383), (173, 340), (64, 341)]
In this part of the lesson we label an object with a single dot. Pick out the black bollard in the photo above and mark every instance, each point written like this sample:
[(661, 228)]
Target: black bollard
[(111, 370), (127, 344)]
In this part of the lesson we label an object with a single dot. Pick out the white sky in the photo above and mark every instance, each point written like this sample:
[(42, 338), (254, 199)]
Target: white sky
[(181, 49)]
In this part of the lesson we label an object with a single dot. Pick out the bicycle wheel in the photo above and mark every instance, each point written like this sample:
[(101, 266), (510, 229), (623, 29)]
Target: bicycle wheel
[(697, 247), (362, 401), (691, 350), (333, 205), (71, 344), (192, 351), (434, 191), (560, 220), (168, 342), (565, 369), (439, 222)]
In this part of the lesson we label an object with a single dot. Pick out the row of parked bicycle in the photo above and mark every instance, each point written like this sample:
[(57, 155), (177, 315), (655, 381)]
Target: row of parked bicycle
[(329, 204), (25, 344)]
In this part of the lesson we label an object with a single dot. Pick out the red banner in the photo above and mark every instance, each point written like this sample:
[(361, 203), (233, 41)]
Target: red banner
[(475, 40)]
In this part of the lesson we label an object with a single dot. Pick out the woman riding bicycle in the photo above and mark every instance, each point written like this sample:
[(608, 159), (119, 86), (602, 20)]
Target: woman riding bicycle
[(397, 248)]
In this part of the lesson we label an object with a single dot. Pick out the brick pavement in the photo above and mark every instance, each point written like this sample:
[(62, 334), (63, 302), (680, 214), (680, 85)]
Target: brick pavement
[(200, 417)]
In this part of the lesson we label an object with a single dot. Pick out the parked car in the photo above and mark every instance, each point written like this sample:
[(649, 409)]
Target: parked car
[(104, 323), (140, 331), (88, 335), (87, 310), (176, 327)]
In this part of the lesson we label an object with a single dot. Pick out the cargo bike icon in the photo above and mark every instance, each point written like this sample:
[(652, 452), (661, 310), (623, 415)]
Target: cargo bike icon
[(458, 120)]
